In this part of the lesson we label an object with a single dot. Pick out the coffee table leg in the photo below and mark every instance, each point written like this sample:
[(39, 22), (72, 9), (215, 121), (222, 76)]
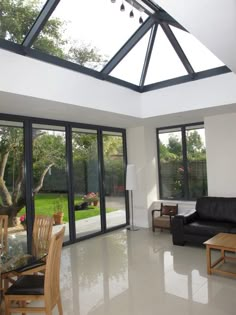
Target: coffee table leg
[(223, 255), (208, 256)]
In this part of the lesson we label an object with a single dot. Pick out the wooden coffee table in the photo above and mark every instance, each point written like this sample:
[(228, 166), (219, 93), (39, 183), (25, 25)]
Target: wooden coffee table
[(224, 242)]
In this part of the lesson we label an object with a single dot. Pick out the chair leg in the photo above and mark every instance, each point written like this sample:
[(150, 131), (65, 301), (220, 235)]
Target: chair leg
[(23, 304), (59, 305), (5, 284), (7, 305)]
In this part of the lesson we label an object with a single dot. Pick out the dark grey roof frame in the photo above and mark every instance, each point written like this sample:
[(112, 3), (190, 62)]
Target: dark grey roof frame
[(160, 17)]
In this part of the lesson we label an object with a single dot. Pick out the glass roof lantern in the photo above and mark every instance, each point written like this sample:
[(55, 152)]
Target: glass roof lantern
[(134, 43)]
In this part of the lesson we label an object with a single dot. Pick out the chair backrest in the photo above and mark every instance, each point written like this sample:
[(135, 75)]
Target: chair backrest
[(3, 234), (52, 274), (42, 232), (169, 209)]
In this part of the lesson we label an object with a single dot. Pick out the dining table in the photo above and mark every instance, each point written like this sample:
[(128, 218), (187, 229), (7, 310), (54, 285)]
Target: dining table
[(20, 262), (12, 265)]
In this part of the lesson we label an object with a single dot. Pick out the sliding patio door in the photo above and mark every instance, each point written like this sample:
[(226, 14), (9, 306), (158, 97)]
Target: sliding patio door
[(12, 184), (86, 182), (71, 172), (114, 171), (50, 190)]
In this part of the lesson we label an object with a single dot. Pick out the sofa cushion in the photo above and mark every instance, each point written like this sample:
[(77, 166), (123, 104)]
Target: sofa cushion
[(210, 228), (217, 209)]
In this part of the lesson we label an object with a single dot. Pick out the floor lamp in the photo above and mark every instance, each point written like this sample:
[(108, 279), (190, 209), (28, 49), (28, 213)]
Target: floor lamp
[(131, 183)]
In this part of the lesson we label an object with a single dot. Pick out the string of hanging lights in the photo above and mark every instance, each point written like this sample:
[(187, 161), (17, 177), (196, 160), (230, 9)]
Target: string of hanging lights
[(131, 14)]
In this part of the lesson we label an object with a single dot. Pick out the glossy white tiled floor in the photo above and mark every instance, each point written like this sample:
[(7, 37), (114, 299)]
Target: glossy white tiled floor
[(141, 273)]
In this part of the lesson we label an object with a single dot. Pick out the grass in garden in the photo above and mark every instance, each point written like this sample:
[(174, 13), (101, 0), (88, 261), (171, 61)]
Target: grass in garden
[(45, 204)]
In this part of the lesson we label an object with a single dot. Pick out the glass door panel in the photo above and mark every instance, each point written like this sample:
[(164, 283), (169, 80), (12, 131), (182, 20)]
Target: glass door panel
[(171, 164), (86, 182), (114, 170), (12, 184), (196, 154), (49, 174)]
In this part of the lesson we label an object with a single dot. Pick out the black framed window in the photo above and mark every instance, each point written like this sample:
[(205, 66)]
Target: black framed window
[(182, 162)]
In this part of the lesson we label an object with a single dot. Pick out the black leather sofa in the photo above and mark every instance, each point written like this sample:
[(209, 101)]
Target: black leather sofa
[(212, 215)]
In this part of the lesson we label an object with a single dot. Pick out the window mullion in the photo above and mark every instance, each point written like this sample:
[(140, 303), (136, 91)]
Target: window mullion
[(185, 163)]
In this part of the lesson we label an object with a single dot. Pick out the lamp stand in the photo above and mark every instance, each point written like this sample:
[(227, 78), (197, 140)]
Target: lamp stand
[(132, 227)]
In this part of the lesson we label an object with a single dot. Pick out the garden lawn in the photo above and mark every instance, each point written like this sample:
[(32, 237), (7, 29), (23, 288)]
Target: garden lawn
[(45, 204)]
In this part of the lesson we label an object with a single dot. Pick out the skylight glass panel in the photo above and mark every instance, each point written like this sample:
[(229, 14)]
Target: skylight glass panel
[(165, 63), (200, 57), (17, 17), (130, 68), (89, 33)]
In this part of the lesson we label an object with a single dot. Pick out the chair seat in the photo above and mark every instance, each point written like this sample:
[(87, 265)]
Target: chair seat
[(27, 285), (162, 221)]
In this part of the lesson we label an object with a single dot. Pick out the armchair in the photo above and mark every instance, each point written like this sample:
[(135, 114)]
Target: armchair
[(163, 220)]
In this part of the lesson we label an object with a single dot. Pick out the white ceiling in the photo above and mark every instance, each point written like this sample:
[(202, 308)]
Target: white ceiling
[(34, 107)]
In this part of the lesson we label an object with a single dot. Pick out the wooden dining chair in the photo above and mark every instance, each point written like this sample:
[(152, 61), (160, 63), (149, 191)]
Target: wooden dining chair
[(42, 232), (44, 288)]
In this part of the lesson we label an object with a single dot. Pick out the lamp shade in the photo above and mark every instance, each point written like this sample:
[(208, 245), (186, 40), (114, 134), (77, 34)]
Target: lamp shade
[(131, 180)]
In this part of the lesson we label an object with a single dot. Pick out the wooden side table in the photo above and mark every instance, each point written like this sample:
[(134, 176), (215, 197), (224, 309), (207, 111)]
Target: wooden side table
[(223, 242)]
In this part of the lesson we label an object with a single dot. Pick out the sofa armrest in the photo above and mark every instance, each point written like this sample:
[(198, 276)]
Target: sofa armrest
[(177, 226), (190, 216)]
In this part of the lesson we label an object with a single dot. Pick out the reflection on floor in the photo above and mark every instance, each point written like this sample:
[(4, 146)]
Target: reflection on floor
[(140, 272), (93, 224)]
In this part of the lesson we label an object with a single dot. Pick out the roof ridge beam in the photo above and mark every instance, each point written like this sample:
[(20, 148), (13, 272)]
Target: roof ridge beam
[(179, 51), (162, 15), (125, 49), (165, 17)]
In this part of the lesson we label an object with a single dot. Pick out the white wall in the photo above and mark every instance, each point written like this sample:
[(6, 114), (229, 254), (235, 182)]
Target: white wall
[(206, 93), (221, 164), (25, 76), (221, 155), (141, 146)]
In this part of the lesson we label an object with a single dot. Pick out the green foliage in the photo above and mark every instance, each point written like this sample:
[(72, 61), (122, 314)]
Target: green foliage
[(195, 146), (11, 157), (11, 139), (58, 204), (48, 149), (172, 169), (174, 146), (18, 16), (173, 149), (112, 146), (85, 55), (165, 154), (84, 146)]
